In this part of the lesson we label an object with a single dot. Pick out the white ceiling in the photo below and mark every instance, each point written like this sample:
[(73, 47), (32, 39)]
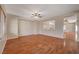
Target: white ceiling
[(46, 10)]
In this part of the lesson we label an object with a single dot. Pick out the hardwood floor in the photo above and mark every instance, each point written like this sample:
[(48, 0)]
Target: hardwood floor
[(69, 35), (39, 44)]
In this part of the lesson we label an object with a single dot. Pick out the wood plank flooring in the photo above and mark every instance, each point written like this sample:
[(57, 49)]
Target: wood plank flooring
[(69, 35), (39, 44)]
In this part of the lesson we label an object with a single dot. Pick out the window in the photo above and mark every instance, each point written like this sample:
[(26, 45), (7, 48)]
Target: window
[(49, 25)]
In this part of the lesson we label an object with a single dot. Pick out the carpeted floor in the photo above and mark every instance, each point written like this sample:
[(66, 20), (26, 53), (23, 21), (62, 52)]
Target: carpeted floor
[(39, 44)]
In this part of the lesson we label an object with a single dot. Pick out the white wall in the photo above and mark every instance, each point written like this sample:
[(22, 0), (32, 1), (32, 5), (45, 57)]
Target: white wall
[(58, 32), (25, 27), (12, 27), (35, 27), (78, 26), (2, 31), (20, 27), (0, 28), (28, 27)]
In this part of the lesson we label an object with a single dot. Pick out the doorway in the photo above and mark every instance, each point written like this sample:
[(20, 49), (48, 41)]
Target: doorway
[(70, 28), (70, 33)]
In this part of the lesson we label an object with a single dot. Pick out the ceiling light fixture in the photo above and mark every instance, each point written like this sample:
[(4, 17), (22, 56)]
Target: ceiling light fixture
[(36, 15)]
